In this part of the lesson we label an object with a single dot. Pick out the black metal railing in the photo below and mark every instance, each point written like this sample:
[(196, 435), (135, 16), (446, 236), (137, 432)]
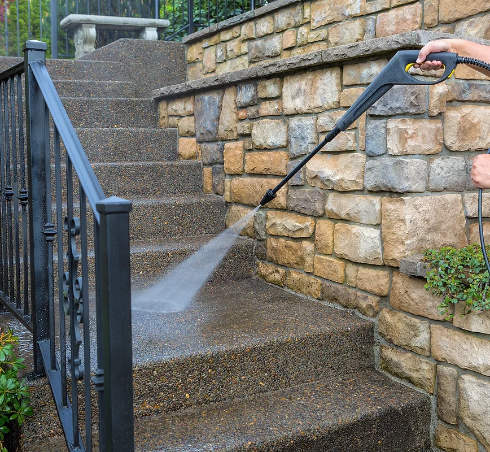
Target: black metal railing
[(22, 20), (64, 260)]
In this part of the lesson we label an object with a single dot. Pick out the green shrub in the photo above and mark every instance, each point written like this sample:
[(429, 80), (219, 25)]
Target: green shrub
[(458, 275)]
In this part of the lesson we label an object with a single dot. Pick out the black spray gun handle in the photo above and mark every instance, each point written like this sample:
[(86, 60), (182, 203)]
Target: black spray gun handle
[(394, 73)]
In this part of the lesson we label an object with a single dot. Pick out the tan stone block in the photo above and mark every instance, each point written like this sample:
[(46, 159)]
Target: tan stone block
[(374, 281), (451, 11), (247, 143), (227, 128), (244, 128), (327, 121), (414, 136), (230, 33), (409, 295), (309, 252), (306, 12), (227, 194), (236, 213), (173, 122), (234, 48), (289, 39), (285, 252), (289, 224), (195, 53), (447, 394), (324, 236), (302, 36), (248, 30), (275, 163), (340, 294), (476, 321), (351, 271), (368, 305), (372, 6), (431, 13), (242, 114), (209, 60), (466, 128), (474, 407), (264, 26), (210, 41), (344, 142), (329, 268), (412, 225), (438, 95), (344, 172), (269, 88), (305, 284), (163, 114), (271, 273), (327, 11), (356, 208), (399, 20), (250, 191), (287, 18), (405, 331), (311, 92), (474, 232), (187, 148), (468, 73), (269, 134), (271, 108), (409, 367), (195, 71), (207, 177), (318, 35), (361, 127), (236, 64), (346, 32), (362, 73), (358, 243), (233, 157), (470, 201), (451, 440), (461, 349), (349, 96), (183, 106), (187, 126)]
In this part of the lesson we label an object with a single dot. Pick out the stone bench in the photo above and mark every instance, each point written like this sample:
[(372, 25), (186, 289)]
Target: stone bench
[(85, 28)]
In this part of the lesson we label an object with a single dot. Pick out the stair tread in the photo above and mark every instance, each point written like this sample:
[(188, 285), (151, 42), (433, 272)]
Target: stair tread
[(358, 412)]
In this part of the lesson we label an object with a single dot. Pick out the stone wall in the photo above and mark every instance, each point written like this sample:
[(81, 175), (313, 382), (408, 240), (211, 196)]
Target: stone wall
[(395, 183), (287, 28)]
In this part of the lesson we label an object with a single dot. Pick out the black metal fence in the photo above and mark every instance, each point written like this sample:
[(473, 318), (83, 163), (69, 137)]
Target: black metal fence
[(22, 20), (64, 261)]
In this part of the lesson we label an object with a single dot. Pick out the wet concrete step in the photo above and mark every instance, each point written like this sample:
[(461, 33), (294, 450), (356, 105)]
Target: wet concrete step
[(87, 70), (111, 113), (238, 339), (357, 412), (129, 144), (94, 89)]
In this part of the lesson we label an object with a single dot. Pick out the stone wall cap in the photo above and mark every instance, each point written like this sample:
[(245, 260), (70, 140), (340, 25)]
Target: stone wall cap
[(127, 23)]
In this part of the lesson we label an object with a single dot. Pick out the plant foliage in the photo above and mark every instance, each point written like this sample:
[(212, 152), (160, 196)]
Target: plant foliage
[(458, 275)]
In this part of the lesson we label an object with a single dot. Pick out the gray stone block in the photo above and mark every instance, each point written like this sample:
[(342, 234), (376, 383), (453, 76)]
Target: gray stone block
[(302, 136), (396, 174), (309, 201), (261, 250), (207, 109), (299, 177), (218, 179), (465, 90), (401, 99), (375, 137), (447, 173), (265, 48), (212, 153), (246, 95), (259, 224)]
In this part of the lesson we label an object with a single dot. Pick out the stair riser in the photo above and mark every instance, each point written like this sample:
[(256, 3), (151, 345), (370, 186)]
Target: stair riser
[(82, 88), (105, 71)]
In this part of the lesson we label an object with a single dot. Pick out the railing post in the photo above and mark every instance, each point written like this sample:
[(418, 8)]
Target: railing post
[(36, 167), (190, 15), (54, 30), (115, 293)]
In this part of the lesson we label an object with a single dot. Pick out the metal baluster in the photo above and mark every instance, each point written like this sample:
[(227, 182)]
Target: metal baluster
[(40, 20), (29, 30), (54, 29), (18, 27), (9, 193), (2, 210), (6, 28), (4, 192), (157, 9)]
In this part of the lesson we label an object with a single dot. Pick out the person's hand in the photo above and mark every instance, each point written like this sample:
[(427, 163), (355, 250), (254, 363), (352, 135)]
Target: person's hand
[(480, 171), (440, 45)]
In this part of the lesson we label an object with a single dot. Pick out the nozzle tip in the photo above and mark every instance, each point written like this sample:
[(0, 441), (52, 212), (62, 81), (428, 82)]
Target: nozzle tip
[(269, 196)]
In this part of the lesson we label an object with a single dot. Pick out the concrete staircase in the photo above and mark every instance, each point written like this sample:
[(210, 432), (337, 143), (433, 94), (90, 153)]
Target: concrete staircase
[(248, 366)]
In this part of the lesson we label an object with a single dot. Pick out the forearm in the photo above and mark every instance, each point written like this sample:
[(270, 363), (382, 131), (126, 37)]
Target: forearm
[(473, 50)]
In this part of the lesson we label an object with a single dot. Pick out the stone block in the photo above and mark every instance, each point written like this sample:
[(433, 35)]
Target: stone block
[(250, 191), (409, 367), (447, 394), (356, 208), (218, 180), (288, 18), (451, 440), (302, 136), (375, 137), (271, 273), (324, 236), (207, 112), (227, 127), (209, 60), (327, 121), (367, 305), (163, 114), (309, 201), (351, 271), (477, 27), (477, 321), (187, 148), (327, 267), (229, 33), (289, 39), (408, 136), (349, 95), (324, 12), (303, 283), (221, 52), (470, 201), (358, 243), (461, 349), (244, 128), (311, 92), (340, 294), (195, 71), (233, 157), (468, 91), (183, 106), (474, 232), (302, 36), (363, 73), (264, 26), (236, 64), (343, 172), (474, 407), (451, 11), (246, 95), (466, 128), (266, 163), (269, 88), (234, 48), (269, 134), (401, 100), (187, 126), (195, 52), (212, 153), (373, 281), (318, 35), (447, 174), (261, 250), (236, 213), (227, 195), (405, 331), (271, 108), (373, 6), (399, 20), (248, 31), (264, 48), (299, 177), (412, 225), (210, 41), (438, 96), (207, 179), (346, 32), (259, 224), (468, 73), (346, 141), (399, 175), (409, 295), (253, 112), (309, 252), (289, 224), (285, 252)]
